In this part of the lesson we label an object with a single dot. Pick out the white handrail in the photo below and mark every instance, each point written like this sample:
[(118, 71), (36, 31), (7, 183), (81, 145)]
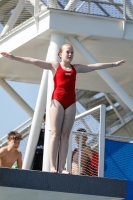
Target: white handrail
[(87, 113), (16, 129), (41, 7), (101, 141)]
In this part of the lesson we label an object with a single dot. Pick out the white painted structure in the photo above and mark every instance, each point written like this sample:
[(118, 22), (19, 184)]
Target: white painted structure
[(108, 39), (55, 43)]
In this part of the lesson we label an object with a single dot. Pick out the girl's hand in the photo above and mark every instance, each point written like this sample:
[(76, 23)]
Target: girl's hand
[(7, 55), (116, 64)]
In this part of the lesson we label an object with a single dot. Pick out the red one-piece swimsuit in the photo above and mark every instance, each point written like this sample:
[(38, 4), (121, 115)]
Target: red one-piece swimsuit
[(64, 86)]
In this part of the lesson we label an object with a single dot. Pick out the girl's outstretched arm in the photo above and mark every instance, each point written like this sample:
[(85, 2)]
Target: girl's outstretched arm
[(97, 66), (39, 63)]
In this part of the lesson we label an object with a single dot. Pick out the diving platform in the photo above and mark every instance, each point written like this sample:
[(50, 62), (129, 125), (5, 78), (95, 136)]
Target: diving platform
[(25, 184)]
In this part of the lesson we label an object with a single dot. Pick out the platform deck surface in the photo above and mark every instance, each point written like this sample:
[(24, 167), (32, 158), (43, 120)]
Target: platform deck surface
[(25, 184)]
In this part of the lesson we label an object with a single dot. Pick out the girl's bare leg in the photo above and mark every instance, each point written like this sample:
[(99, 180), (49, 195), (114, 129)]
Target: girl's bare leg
[(56, 120), (69, 117)]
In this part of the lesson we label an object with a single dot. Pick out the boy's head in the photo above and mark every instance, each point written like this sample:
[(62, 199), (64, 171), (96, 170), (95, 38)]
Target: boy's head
[(13, 139), (84, 138)]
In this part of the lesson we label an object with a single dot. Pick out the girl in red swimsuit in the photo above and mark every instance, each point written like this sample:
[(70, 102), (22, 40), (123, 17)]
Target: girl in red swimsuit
[(63, 108)]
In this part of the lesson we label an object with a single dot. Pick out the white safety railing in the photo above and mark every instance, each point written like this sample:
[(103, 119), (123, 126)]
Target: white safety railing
[(120, 138), (96, 136), (118, 125), (14, 13), (98, 111), (23, 129)]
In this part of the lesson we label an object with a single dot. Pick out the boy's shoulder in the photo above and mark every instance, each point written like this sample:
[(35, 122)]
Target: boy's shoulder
[(18, 152), (3, 150)]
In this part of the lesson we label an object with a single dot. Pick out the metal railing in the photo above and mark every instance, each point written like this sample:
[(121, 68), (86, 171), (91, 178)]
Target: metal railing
[(23, 129), (13, 13), (97, 141), (100, 141)]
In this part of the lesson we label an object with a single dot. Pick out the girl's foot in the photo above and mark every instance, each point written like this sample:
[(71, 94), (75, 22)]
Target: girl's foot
[(53, 170), (65, 172)]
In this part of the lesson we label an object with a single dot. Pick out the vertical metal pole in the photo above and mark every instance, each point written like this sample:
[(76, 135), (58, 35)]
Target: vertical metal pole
[(56, 41), (89, 4), (79, 153), (69, 155), (101, 141), (37, 120), (124, 17), (52, 3), (124, 9), (36, 12)]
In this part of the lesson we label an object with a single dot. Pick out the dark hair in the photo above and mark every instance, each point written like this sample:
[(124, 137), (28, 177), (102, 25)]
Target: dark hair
[(14, 135), (81, 129)]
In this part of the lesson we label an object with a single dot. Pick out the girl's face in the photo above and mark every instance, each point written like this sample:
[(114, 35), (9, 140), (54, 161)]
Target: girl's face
[(67, 53)]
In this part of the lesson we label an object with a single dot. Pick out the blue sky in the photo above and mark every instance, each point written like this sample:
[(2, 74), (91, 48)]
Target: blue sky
[(11, 114)]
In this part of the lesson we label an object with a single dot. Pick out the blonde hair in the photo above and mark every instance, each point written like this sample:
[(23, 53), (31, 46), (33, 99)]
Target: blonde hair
[(61, 48)]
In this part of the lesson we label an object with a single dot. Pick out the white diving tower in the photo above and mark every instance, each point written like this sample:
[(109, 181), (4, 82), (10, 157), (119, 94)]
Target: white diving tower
[(100, 31)]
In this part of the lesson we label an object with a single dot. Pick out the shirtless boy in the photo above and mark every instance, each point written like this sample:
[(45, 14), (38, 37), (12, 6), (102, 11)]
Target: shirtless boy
[(10, 153)]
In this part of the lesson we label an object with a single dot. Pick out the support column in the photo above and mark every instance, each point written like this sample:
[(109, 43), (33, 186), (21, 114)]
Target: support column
[(103, 73), (16, 97), (37, 120), (12, 20), (56, 41)]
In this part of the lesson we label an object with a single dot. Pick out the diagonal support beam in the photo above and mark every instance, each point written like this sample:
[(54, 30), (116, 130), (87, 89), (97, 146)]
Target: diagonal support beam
[(60, 4), (118, 8), (107, 14), (71, 5), (16, 97), (37, 4), (15, 15), (118, 114), (80, 6), (7, 6), (103, 73)]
